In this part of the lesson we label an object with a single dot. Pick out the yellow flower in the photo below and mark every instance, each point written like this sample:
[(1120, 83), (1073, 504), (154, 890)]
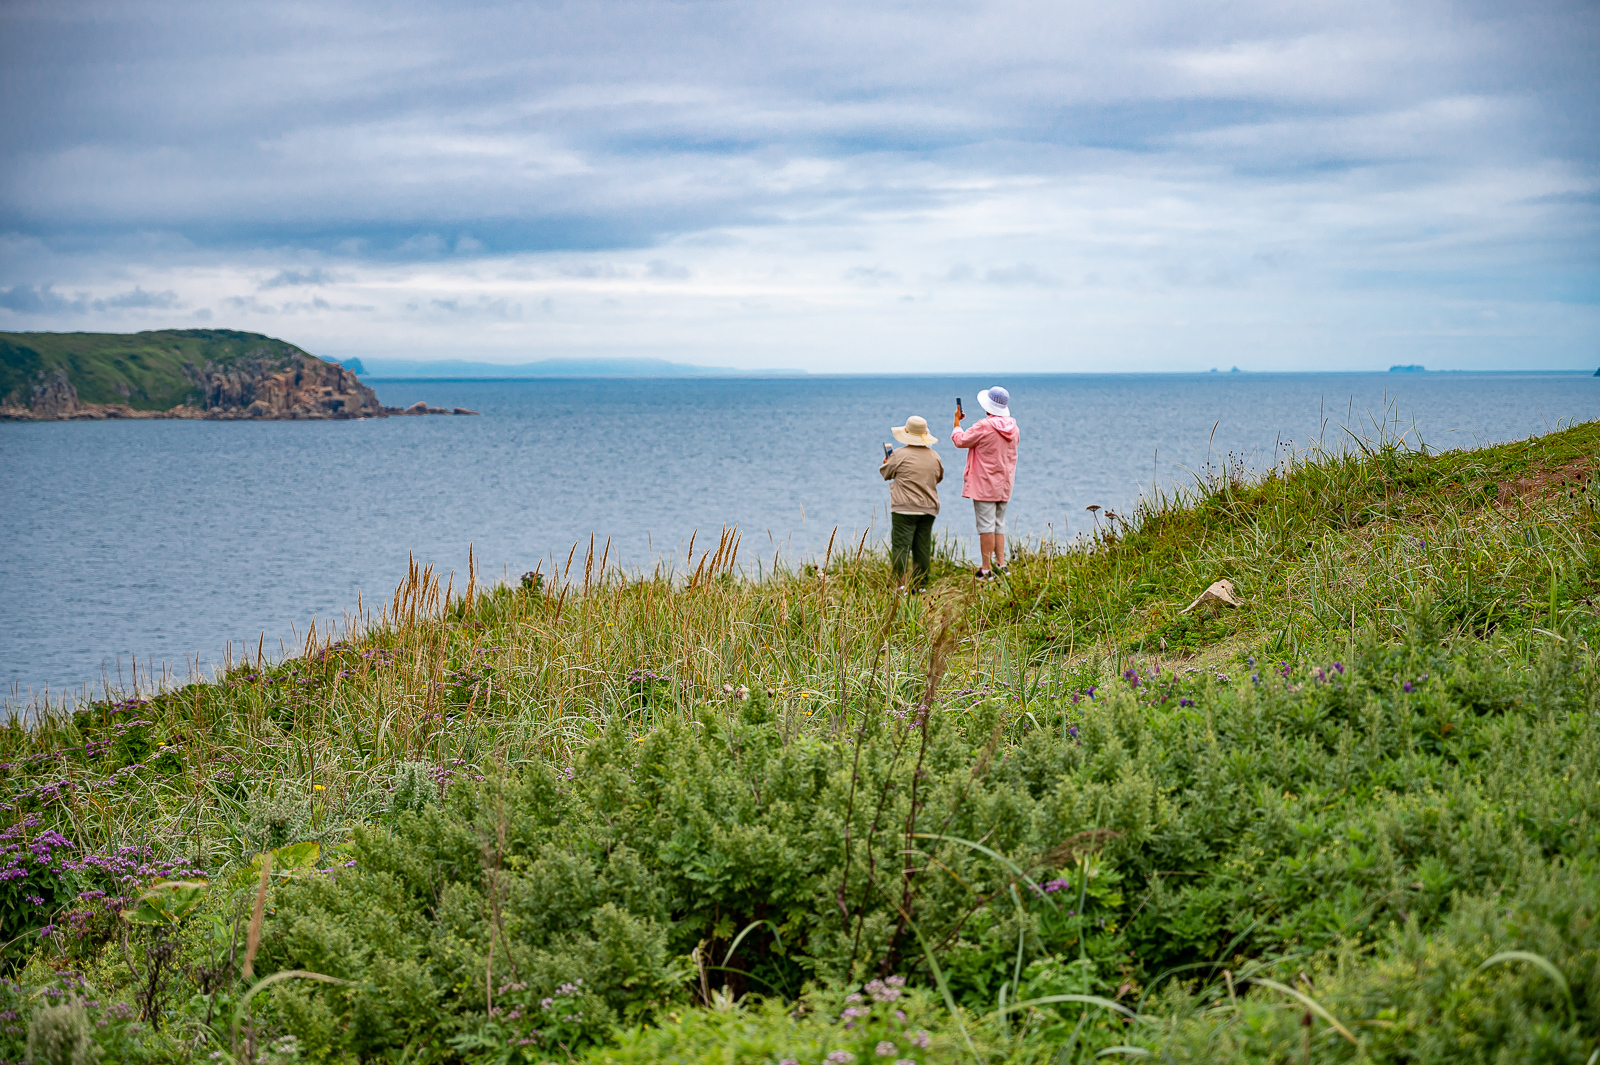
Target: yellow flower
[(639, 740), (318, 787)]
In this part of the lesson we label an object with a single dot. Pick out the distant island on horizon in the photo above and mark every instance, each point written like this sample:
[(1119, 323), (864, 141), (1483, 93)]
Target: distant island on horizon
[(384, 368), (232, 374), (457, 369)]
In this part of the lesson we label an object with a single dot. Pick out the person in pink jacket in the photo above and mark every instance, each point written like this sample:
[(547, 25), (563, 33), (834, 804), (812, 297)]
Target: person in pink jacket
[(991, 467)]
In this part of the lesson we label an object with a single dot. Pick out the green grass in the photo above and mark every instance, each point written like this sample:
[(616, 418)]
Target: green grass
[(142, 370), (1353, 819)]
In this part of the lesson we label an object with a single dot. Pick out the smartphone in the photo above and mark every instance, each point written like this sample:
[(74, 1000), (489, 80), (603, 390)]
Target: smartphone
[(888, 449), (959, 412)]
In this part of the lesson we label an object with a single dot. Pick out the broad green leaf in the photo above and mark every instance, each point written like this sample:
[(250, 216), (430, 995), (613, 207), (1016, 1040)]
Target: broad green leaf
[(168, 902), (287, 861), (297, 857)]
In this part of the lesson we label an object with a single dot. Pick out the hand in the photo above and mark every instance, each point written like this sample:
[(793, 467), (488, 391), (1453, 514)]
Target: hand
[(958, 420)]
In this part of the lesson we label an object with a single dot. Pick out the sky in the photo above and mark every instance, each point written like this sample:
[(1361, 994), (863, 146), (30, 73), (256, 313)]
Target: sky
[(837, 187)]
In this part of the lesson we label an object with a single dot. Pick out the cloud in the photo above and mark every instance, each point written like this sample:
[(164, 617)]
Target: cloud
[(483, 307), (655, 119), (26, 299), (1020, 274), (250, 305), (870, 275), (593, 270), (662, 270), (422, 246), (286, 278), (138, 298)]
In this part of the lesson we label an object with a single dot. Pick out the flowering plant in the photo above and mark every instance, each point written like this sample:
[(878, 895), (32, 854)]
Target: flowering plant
[(883, 1022), (524, 1025)]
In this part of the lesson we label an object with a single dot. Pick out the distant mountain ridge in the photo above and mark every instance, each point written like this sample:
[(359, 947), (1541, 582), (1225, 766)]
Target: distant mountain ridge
[(448, 369), (177, 373)]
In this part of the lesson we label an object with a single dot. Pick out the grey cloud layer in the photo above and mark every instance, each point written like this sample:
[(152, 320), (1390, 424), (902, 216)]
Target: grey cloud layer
[(852, 178), (30, 300), (408, 127)]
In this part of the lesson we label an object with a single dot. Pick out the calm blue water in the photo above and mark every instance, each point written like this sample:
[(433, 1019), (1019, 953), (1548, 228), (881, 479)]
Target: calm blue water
[(164, 540)]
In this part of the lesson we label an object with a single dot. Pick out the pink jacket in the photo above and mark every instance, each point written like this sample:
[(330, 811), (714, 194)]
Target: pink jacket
[(991, 458)]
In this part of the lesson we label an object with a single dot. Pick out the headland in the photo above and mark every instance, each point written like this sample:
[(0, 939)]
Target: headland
[(212, 374)]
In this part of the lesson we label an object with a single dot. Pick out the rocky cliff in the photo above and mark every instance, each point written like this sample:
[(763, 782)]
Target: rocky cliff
[(214, 374), (49, 396), (258, 386)]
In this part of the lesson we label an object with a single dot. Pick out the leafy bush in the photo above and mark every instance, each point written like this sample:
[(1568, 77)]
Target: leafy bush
[(415, 787), (1161, 823), (883, 1022), (59, 1035)]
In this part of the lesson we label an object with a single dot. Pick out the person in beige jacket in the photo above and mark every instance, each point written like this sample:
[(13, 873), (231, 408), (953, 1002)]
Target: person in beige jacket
[(914, 472)]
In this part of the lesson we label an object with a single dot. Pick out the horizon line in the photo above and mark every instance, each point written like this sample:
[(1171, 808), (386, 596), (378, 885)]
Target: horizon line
[(797, 374)]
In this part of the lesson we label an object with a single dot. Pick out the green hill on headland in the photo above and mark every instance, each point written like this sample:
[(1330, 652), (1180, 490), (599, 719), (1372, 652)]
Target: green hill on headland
[(145, 371), (699, 817), (176, 373)]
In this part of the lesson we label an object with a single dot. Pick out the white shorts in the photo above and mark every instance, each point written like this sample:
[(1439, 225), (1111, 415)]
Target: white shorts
[(991, 516)]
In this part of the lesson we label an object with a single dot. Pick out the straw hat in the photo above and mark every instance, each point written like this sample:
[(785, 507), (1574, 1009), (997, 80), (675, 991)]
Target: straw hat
[(914, 432), (996, 401)]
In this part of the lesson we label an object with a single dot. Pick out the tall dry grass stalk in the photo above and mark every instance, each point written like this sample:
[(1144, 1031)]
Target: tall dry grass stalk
[(252, 942)]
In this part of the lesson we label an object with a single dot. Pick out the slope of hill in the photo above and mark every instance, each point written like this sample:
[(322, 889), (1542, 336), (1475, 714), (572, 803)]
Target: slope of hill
[(702, 818), (174, 373)]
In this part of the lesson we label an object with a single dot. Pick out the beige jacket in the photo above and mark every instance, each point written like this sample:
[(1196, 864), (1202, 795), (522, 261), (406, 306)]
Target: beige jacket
[(916, 473)]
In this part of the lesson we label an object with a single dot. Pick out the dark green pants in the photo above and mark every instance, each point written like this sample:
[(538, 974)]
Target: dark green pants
[(911, 540)]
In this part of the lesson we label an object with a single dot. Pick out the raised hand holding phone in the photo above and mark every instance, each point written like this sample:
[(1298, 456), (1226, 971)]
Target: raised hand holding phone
[(888, 449), (960, 414)]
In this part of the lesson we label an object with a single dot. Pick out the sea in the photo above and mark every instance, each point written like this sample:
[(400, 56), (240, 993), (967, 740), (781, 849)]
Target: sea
[(150, 549)]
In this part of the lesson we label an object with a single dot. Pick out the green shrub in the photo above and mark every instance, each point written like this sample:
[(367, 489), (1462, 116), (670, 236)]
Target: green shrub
[(883, 1021), (59, 1035), (1155, 825), (414, 787)]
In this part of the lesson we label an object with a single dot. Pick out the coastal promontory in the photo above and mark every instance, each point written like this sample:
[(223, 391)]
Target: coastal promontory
[(178, 373)]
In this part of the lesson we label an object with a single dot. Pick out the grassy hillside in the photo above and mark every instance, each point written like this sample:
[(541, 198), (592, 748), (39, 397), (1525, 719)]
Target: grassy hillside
[(142, 370), (805, 819)]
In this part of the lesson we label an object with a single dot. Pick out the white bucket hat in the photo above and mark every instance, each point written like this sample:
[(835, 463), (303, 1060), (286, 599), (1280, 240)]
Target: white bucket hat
[(914, 432), (996, 401)]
